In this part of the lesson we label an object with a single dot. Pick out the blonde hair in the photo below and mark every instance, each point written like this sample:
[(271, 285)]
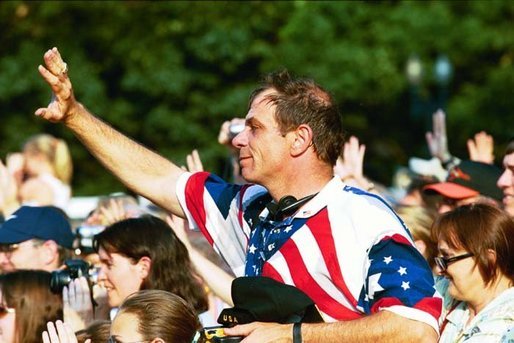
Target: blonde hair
[(419, 220), (55, 150)]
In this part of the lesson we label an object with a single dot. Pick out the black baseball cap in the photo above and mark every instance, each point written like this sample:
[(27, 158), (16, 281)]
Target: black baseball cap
[(469, 179)]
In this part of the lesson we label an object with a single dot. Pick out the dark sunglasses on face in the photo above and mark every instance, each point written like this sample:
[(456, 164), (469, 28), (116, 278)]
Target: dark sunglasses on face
[(443, 262)]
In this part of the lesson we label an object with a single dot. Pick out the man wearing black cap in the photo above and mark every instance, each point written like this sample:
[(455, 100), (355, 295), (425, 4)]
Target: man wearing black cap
[(468, 182), (35, 238)]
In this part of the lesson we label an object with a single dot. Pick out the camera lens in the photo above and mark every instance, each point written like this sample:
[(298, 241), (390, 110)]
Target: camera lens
[(59, 279)]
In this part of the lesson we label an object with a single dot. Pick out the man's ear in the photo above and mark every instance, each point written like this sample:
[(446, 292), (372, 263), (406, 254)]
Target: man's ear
[(301, 139), (158, 340), (144, 265), (49, 253)]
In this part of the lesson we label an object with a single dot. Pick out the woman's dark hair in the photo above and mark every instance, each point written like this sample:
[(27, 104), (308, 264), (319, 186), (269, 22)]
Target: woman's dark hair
[(162, 315), (28, 292), (478, 228), (171, 269)]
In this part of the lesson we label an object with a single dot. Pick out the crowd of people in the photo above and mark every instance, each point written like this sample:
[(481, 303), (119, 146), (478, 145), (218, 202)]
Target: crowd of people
[(429, 259)]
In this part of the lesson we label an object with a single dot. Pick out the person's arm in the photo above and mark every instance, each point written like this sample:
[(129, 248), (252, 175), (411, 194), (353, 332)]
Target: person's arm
[(8, 192), (219, 281), (139, 168), (381, 327)]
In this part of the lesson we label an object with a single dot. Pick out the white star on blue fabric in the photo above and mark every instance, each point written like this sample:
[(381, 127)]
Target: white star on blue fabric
[(388, 259), (402, 270), (252, 249), (405, 285), (373, 285), (287, 229), (271, 246)]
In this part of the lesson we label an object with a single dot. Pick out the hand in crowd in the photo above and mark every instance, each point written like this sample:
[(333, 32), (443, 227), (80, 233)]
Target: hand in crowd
[(77, 304), (437, 139), (8, 191), (350, 165), (481, 148), (259, 332), (226, 134), (60, 333), (194, 163), (15, 163), (102, 309), (113, 212), (55, 73), (108, 214)]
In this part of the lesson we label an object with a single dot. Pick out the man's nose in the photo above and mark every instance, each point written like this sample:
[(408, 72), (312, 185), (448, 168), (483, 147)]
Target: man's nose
[(241, 139)]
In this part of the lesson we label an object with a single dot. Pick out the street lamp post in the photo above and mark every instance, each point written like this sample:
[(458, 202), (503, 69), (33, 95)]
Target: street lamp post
[(423, 104), (443, 72)]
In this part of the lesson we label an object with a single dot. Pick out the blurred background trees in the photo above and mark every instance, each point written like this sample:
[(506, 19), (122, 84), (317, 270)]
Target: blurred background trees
[(169, 73)]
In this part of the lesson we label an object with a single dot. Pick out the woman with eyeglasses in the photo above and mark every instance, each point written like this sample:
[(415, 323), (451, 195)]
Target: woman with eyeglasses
[(149, 316), (476, 247), (26, 305)]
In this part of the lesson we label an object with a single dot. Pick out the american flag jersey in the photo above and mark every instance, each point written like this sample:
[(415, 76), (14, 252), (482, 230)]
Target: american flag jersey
[(345, 248)]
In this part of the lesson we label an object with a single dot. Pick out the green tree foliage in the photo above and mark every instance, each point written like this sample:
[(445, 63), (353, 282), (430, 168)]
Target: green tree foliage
[(169, 73)]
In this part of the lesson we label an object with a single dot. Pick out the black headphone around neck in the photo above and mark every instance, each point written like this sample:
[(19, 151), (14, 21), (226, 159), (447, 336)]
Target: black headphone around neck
[(286, 206)]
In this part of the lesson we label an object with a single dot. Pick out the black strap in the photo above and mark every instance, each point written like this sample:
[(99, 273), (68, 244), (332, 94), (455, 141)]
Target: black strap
[(297, 332)]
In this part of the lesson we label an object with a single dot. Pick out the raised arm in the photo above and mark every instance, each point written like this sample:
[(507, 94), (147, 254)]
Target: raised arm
[(139, 168)]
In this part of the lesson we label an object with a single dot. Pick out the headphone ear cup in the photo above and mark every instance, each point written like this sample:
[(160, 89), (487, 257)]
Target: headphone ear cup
[(286, 201)]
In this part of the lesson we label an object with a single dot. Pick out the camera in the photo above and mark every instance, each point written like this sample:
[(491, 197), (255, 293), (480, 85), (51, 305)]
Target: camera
[(235, 129), (215, 334), (85, 235), (74, 269)]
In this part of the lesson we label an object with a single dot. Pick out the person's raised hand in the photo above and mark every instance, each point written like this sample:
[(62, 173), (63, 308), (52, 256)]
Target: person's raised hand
[(437, 139), (60, 333), (481, 148), (77, 304), (55, 73), (194, 163)]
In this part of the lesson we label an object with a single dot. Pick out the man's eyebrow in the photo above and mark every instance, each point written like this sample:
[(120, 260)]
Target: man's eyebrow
[(252, 121)]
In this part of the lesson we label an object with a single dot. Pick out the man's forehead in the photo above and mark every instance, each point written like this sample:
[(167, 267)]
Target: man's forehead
[(261, 98)]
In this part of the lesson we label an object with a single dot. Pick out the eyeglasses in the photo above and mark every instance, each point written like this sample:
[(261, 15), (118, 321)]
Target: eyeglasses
[(9, 249), (443, 262), (113, 339), (4, 310)]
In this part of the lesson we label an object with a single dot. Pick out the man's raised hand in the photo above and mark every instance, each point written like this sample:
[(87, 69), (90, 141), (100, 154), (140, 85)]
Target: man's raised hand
[(55, 73)]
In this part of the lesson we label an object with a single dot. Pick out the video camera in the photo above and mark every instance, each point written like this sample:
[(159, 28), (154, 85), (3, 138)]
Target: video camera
[(215, 334), (74, 269)]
